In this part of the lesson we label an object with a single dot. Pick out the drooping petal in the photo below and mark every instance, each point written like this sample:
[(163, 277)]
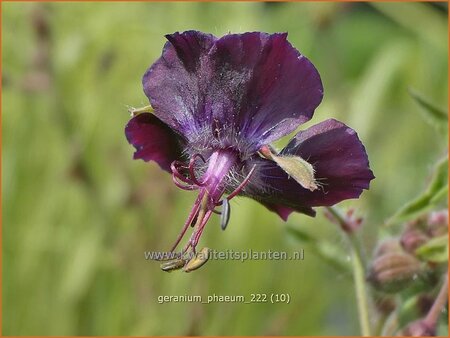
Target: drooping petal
[(284, 211), (242, 90), (176, 83), (339, 160), (153, 140)]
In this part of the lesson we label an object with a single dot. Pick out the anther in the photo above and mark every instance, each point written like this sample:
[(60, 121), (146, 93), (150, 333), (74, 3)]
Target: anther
[(225, 216), (173, 265), (199, 260)]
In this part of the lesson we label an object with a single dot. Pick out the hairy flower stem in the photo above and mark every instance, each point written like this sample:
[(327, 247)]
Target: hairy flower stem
[(433, 314), (359, 274)]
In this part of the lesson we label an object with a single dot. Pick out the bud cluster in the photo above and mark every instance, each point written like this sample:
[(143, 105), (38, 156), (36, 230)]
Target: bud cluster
[(398, 266)]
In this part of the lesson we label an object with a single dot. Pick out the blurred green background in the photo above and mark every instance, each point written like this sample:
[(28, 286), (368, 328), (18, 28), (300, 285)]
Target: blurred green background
[(78, 212)]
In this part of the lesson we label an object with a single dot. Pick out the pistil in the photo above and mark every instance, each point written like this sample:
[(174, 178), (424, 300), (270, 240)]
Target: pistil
[(211, 186)]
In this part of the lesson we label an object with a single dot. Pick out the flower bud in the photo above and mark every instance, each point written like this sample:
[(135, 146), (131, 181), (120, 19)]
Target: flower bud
[(348, 221), (413, 238), (389, 245), (413, 306), (424, 304), (438, 223), (385, 304), (394, 271), (418, 328)]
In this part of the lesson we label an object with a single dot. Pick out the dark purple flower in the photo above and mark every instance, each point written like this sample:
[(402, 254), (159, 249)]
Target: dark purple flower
[(219, 103)]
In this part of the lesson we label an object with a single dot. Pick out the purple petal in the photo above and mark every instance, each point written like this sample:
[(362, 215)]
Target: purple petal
[(190, 46), (284, 211), (153, 140), (338, 157), (176, 83), (241, 90), (272, 87)]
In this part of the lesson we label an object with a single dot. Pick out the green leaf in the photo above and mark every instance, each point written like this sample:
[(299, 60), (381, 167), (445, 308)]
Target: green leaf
[(440, 195), (436, 117), (420, 19), (300, 235), (430, 198), (409, 310), (442, 329), (435, 250)]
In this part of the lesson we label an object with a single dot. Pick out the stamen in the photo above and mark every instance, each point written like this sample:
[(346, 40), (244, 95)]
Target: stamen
[(191, 216), (211, 189), (242, 185), (197, 234), (175, 171), (202, 218), (191, 169), (225, 216), (194, 221), (172, 265), (182, 186)]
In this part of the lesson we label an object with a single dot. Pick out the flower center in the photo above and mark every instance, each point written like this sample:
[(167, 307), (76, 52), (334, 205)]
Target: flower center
[(211, 187)]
